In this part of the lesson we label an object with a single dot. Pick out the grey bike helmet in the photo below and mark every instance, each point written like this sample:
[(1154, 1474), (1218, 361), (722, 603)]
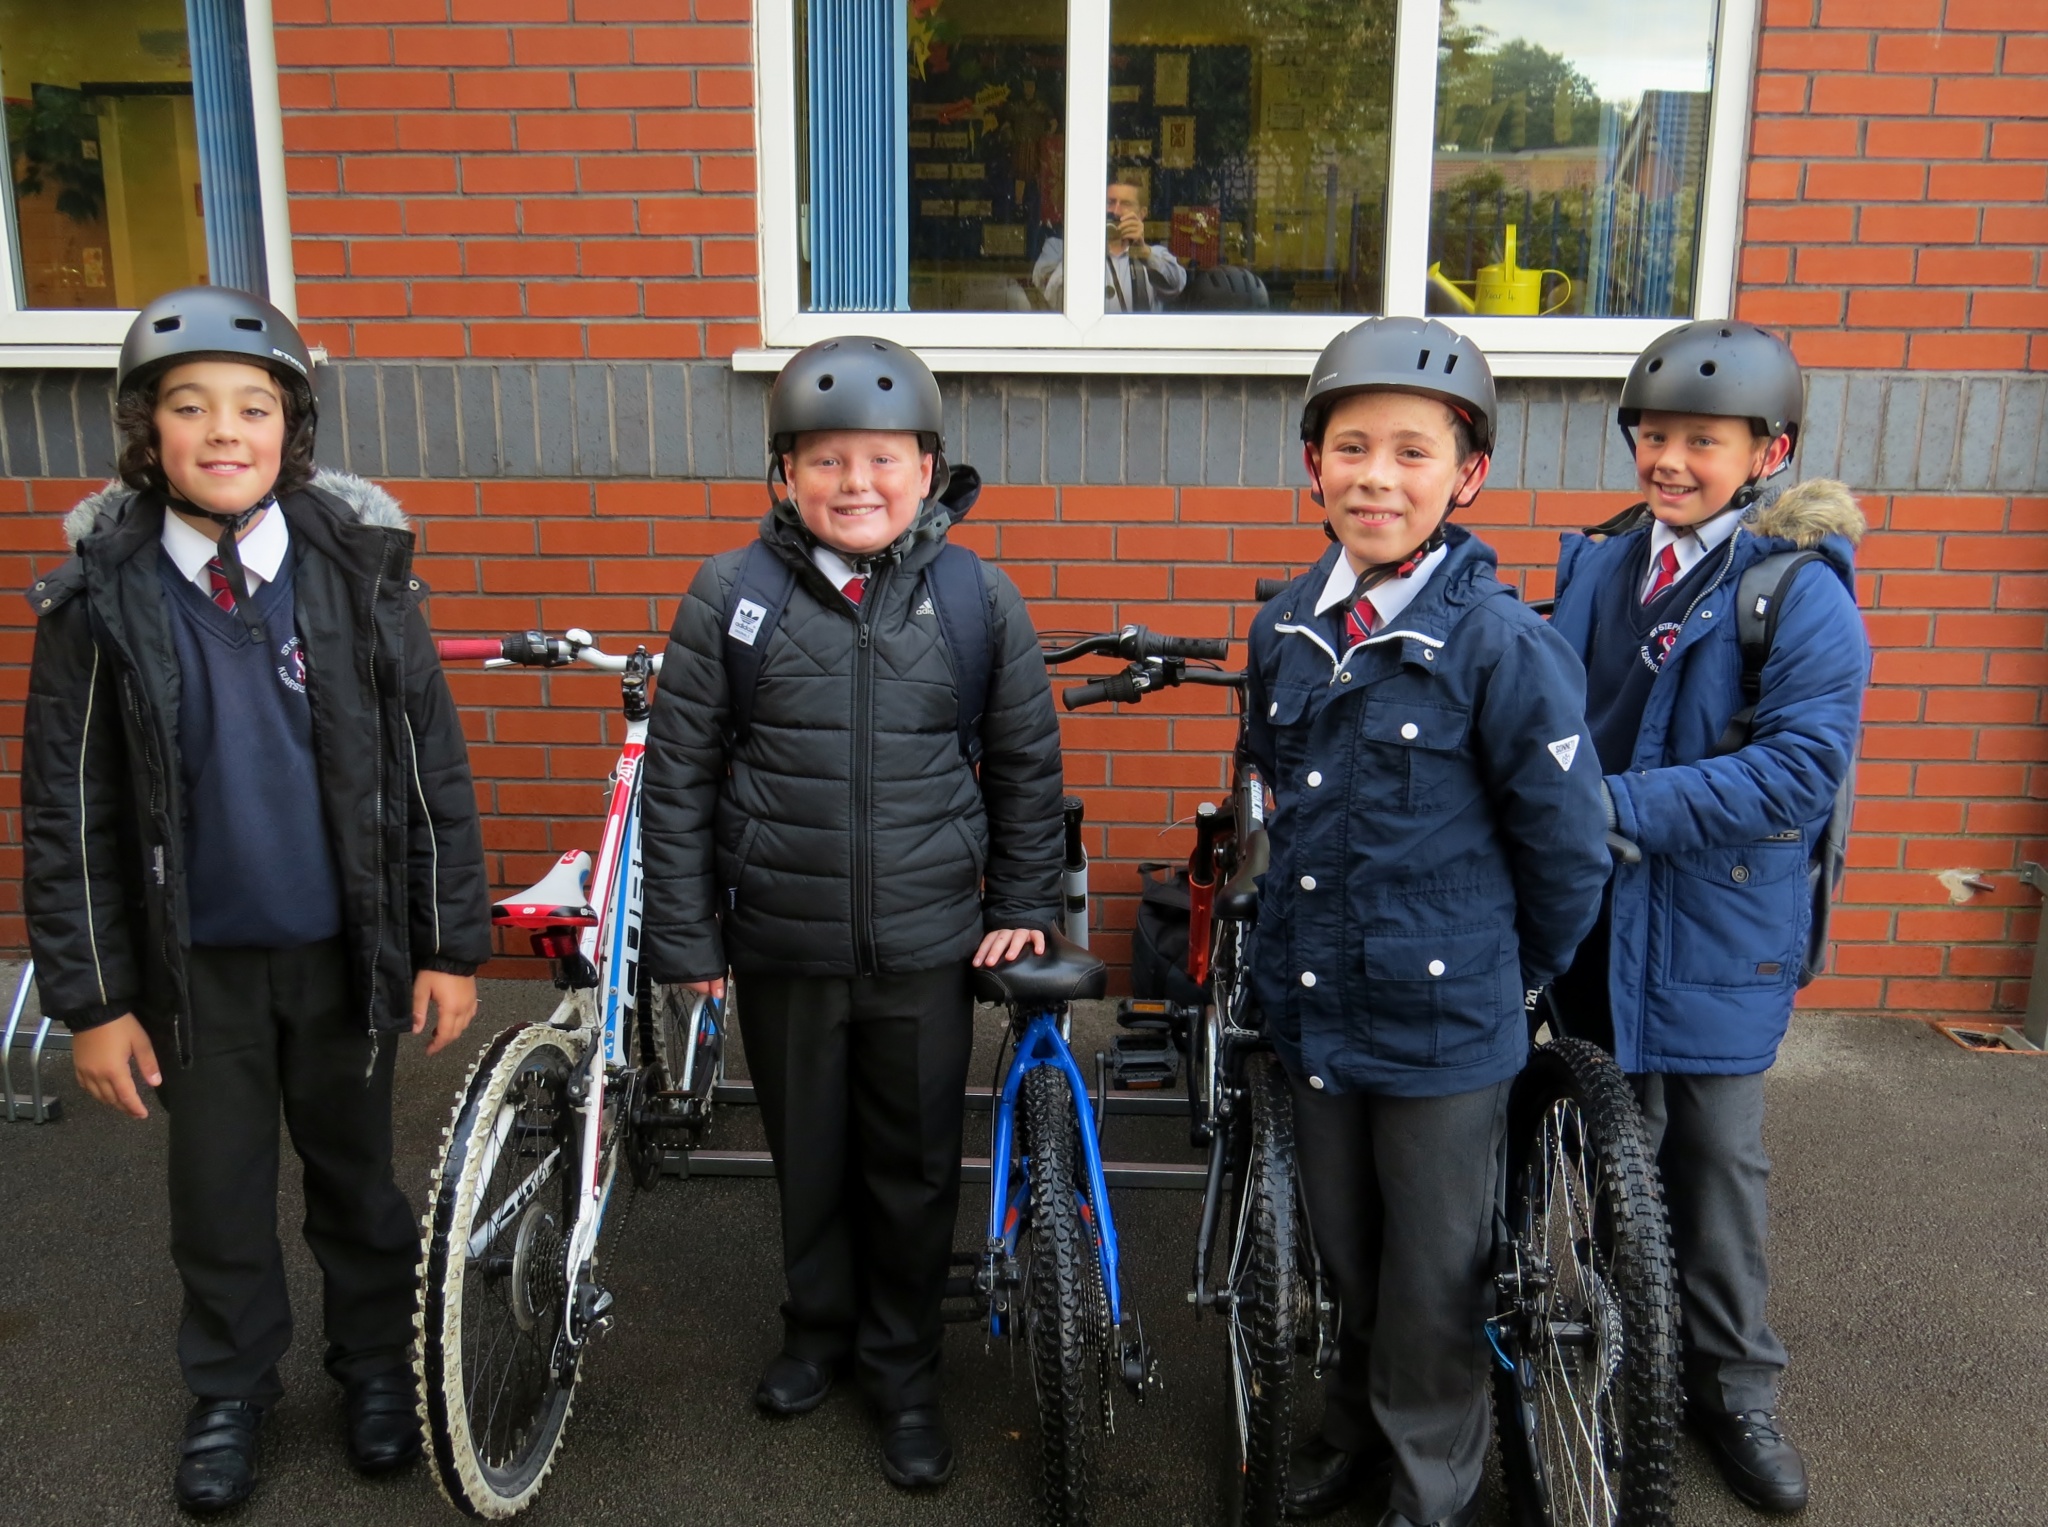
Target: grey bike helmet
[(1716, 366), (198, 321), (856, 382), (1418, 355)]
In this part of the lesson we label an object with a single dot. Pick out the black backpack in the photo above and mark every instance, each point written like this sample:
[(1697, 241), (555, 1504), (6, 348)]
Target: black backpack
[(958, 596), (1758, 596)]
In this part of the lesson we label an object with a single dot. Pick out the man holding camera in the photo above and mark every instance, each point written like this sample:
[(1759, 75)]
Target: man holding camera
[(1137, 277)]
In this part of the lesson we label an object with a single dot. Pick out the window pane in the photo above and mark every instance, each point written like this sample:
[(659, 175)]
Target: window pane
[(1571, 149), (956, 217), (1249, 138), (104, 152)]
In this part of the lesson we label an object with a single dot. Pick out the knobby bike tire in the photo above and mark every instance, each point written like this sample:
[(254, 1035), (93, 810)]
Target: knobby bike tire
[(1065, 1310), (492, 1398), (1270, 1294), (1575, 1133)]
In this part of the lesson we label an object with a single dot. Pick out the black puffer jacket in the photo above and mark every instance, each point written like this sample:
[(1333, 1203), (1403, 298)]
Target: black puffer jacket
[(846, 835), (102, 829)]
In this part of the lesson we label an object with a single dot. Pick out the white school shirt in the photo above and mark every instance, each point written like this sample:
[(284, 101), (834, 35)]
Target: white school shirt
[(1389, 599), (261, 550), (1692, 544)]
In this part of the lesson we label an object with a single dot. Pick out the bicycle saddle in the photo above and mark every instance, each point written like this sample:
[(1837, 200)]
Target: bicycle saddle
[(1238, 902), (1064, 973), (559, 899)]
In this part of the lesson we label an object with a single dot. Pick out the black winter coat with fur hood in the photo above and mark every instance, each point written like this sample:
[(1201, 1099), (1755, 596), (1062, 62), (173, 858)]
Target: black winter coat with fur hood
[(104, 882)]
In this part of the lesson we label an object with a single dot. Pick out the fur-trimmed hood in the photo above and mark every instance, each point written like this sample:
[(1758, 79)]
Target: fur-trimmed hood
[(1807, 513), (370, 504)]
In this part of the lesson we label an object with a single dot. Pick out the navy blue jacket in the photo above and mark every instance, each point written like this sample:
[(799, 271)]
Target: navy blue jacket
[(1438, 846), (1707, 932)]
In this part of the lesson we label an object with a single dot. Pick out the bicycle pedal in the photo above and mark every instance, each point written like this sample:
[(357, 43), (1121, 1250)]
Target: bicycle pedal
[(1145, 1013), (1143, 1061)]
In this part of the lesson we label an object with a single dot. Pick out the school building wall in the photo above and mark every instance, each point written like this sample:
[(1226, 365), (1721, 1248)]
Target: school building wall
[(525, 232)]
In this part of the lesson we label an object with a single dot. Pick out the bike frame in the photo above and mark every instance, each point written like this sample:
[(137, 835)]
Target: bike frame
[(1043, 1044)]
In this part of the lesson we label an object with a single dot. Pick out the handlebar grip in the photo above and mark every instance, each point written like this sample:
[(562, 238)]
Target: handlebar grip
[(1216, 648), (1268, 588), (457, 649), (1118, 686), (1624, 850)]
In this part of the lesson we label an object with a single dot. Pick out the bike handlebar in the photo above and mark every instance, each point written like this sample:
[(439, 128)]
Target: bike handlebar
[(536, 649), (1267, 588), (1118, 686), (1135, 644)]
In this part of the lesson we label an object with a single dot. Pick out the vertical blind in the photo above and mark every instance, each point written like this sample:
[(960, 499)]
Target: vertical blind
[(857, 67), (226, 121)]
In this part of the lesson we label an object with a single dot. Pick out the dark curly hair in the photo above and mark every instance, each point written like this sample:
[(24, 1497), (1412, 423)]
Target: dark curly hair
[(135, 430)]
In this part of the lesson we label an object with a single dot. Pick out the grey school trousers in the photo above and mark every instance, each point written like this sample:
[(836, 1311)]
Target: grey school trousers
[(1401, 1192)]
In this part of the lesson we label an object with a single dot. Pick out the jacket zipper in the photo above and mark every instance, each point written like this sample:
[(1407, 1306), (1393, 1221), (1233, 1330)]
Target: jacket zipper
[(377, 799), (92, 933), (160, 823), (419, 790), (863, 784)]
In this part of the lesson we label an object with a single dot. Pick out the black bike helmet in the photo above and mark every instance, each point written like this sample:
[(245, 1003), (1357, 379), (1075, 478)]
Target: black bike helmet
[(1418, 355), (1716, 366), (856, 382), (198, 321)]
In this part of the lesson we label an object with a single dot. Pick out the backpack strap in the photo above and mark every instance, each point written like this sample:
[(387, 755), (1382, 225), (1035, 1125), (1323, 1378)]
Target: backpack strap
[(753, 607), (960, 599), (1759, 596)]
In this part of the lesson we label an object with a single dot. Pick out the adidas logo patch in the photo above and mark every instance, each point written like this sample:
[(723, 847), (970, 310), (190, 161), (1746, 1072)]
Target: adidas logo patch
[(924, 606)]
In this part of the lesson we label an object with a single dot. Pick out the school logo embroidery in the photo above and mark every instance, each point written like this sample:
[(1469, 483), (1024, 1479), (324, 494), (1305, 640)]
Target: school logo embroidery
[(1663, 636), (291, 668), (746, 622), (1564, 750)]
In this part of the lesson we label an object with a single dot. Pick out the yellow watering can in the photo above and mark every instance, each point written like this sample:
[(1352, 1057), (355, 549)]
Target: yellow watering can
[(1504, 288)]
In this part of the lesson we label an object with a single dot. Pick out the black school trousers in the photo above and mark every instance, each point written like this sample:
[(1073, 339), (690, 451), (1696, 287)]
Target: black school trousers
[(861, 1082), (275, 1030)]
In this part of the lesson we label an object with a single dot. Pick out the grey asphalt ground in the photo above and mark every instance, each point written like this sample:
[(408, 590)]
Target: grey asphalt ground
[(1909, 1255)]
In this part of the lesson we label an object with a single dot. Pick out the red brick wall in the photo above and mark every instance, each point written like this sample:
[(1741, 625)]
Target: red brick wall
[(1898, 190), (1954, 776), (521, 178)]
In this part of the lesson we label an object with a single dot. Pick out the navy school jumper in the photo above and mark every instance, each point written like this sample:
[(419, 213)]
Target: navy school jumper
[(1438, 847)]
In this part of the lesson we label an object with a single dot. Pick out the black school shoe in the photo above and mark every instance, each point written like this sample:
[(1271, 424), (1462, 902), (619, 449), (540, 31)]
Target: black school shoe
[(1321, 1477), (217, 1459), (792, 1386), (1755, 1457), (383, 1422), (916, 1452)]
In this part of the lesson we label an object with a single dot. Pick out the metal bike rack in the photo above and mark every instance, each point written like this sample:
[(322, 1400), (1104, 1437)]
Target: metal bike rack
[(1189, 1176), (34, 1104)]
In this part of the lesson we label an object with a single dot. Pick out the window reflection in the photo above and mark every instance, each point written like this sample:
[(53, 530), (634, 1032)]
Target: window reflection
[(103, 150), (1571, 150)]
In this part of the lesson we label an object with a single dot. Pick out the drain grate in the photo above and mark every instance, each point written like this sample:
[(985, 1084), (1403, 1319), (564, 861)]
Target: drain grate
[(1989, 1038)]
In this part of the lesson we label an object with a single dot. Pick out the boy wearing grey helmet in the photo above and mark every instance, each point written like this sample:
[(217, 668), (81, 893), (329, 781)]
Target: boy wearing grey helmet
[(1727, 773), (852, 792), (1436, 850), (251, 856)]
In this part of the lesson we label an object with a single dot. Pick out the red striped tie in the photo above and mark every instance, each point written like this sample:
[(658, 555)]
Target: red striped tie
[(217, 580), (1667, 573), (1358, 626), (855, 587)]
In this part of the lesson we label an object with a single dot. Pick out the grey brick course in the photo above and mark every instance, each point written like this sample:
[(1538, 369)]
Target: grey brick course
[(1909, 433)]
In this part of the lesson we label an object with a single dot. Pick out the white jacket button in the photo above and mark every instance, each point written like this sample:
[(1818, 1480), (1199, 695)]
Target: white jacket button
[(1410, 731), (1273, 709), (1308, 978), (1436, 967), (1315, 778), (1308, 882), (1316, 1082)]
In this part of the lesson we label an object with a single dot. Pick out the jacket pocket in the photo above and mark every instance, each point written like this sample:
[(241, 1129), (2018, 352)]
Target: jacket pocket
[(1735, 916), (1439, 998), (1413, 753), (977, 847), (1286, 713), (732, 866)]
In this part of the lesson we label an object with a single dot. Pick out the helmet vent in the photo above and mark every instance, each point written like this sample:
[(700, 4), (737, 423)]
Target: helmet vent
[(825, 382), (254, 324), (1707, 368), (1657, 364), (1727, 333), (166, 325), (885, 383), (1422, 361), (1450, 363)]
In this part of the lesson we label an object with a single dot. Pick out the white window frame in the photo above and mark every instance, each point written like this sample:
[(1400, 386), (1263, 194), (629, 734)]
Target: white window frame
[(1083, 338), (91, 337)]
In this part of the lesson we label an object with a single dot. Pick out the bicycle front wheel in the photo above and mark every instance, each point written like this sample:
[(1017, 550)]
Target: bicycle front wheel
[(1588, 1416), (1066, 1311), (1271, 1295), (494, 1380)]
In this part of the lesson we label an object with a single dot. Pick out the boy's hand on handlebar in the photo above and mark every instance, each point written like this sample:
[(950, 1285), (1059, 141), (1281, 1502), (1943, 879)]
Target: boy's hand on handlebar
[(454, 995), (1006, 944), (714, 989), (101, 1056)]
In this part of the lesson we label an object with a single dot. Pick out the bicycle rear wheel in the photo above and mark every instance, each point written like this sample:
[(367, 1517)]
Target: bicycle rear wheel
[(1588, 1416), (495, 1388), (1271, 1293), (1066, 1311)]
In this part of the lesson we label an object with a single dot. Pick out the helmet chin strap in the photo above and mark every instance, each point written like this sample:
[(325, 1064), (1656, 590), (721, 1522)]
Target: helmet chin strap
[(232, 526)]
